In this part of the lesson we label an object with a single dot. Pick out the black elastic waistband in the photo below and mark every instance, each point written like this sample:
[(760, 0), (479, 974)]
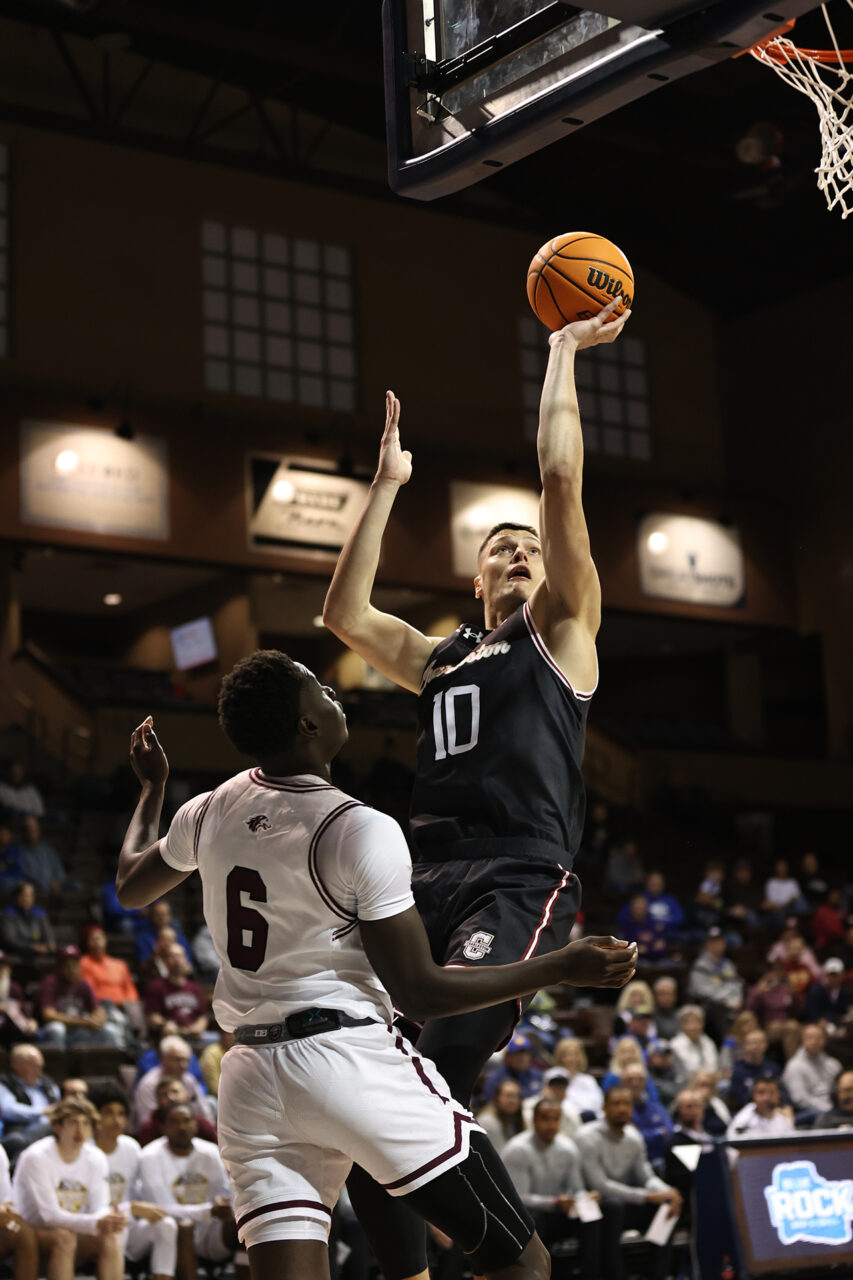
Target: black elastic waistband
[(297, 1026), (528, 849)]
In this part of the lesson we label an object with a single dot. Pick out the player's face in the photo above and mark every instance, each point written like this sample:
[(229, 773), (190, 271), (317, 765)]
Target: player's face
[(320, 704), (73, 1131), (180, 1128), (510, 567), (112, 1119)]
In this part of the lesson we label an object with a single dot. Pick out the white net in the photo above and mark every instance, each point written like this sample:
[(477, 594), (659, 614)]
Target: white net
[(829, 85)]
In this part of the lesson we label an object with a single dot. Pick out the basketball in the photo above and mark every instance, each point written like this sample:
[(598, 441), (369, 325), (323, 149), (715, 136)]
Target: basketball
[(573, 276)]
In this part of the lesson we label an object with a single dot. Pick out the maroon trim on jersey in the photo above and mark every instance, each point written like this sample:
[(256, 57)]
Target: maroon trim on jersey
[(547, 913), (344, 930), (540, 645), (199, 819), (278, 1206), (313, 871), (261, 780), (417, 1063), (459, 1118)]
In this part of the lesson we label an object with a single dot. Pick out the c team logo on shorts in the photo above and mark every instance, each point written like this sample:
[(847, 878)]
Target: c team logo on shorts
[(478, 945), (260, 822)]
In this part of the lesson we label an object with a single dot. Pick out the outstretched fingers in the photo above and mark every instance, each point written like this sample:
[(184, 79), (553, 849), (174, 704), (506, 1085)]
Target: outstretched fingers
[(392, 413)]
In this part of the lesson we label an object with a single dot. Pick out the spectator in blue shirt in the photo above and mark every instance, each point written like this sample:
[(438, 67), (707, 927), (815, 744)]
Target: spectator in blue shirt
[(157, 917), (42, 864), (517, 1065), (25, 1094), (751, 1066), (117, 919), (827, 1001), (650, 1117), (663, 907), (647, 933), (24, 928)]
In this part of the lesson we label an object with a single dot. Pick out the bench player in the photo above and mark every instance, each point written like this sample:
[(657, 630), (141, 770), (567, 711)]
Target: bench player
[(498, 801), (307, 894)]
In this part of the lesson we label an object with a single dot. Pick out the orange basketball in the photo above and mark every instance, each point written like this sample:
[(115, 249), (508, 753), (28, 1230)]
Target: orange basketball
[(575, 275)]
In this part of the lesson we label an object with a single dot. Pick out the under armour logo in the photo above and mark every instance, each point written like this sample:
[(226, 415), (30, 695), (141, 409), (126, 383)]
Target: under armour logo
[(260, 822), (469, 633)]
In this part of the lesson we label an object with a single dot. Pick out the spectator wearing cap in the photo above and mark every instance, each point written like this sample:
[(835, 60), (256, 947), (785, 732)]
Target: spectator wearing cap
[(24, 927), (661, 1070), (764, 1116), (714, 983), (70, 1011), (584, 1092), (15, 1022), (827, 923), (517, 1065), (109, 977), (752, 1065), (827, 1001), (692, 1050), (810, 1074), (651, 1117), (839, 1116), (26, 1093), (555, 1085), (665, 990)]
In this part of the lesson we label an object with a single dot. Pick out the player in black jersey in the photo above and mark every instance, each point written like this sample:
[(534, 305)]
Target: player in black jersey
[(498, 801)]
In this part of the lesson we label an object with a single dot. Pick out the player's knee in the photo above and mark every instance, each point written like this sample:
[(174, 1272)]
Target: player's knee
[(64, 1241), (166, 1231)]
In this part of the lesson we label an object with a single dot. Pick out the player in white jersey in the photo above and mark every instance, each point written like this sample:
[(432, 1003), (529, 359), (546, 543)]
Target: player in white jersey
[(150, 1230), (308, 898), (60, 1183)]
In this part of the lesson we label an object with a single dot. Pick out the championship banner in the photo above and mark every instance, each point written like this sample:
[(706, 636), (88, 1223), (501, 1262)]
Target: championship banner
[(88, 478), (475, 508), (690, 559), (294, 502)]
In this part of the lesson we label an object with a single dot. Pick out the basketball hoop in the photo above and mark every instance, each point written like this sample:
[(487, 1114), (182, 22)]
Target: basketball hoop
[(821, 74)]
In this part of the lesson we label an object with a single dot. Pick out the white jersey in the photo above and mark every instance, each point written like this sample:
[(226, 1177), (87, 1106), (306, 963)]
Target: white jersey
[(51, 1192), (123, 1176), (288, 868), (185, 1186)]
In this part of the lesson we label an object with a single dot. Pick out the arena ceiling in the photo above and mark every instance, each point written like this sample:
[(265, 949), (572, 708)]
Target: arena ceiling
[(297, 89)]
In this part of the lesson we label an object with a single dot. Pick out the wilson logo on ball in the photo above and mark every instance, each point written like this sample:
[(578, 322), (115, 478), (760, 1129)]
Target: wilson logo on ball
[(601, 280)]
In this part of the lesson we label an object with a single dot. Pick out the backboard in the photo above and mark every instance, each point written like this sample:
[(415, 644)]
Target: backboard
[(474, 85)]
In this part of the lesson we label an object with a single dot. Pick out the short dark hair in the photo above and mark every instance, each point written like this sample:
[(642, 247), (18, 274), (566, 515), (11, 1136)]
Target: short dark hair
[(506, 524), (616, 1088), (259, 703), (546, 1102), (107, 1091)]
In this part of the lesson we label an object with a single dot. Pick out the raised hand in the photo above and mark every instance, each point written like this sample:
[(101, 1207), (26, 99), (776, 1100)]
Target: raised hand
[(146, 755), (600, 962), (600, 328), (394, 463)]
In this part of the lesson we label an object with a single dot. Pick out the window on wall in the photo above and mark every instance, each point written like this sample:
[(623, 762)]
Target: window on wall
[(4, 251), (613, 391), (279, 319)]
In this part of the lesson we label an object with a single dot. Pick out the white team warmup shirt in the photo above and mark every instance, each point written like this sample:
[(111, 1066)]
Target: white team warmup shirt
[(288, 867), (185, 1186), (143, 1238), (123, 1171), (51, 1192)]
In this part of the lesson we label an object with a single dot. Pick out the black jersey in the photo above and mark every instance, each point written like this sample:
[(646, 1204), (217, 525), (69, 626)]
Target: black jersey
[(500, 745)]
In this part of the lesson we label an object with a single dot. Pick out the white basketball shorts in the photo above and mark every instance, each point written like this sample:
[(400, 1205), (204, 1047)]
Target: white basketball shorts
[(294, 1117)]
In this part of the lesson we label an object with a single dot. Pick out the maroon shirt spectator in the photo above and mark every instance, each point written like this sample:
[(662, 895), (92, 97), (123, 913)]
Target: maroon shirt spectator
[(771, 999), (827, 924), (70, 1010), (176, 998)]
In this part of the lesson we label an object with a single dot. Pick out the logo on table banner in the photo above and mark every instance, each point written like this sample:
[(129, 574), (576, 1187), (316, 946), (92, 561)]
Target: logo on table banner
[(806, 1206), (478, 945)]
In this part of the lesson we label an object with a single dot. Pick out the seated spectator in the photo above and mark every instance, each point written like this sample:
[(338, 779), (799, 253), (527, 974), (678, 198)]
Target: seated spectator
[(502, 1118), (665, 991), (810, 1075), (827, 1001), (840, 1115), (26, 1095), (555, 1084), (109, 978), (827, 923), (156, 966), (151, 1057), (517, 1065), (801, 967), (74, 1087), (151, 1233), (174, 1064), (624, 869), (11, 868), (662, 1071), (664, 909), (743, 898), (714, 983), (211, 1060), (156, 917), (782, 893), (774, 1004), (42, 864), (647, 933), (716, 1116), (545, 1167), (689, 1129), (205, 959), (732, 1047), (753, 1065), (613, 1157), (651, 1118), (584, 1092), (19, 794), (764, 1115), (813, 882), (61, 1184), (186, 1177), (176, 998), (16, 1236), (25, 928), (169, 1091), (692, 1050), (626, 1051), (71, 1014), (117, 919), (707, 906), (634, 994), (15, 1022)]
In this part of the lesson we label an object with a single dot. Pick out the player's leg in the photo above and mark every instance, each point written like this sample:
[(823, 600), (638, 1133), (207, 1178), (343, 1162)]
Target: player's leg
[(186, 1265), (157, 1241), (19, 1239), (289, 1260), (57, 1247)]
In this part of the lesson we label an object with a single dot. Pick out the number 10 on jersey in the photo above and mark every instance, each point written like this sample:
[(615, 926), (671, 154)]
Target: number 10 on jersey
[(444, 717)]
